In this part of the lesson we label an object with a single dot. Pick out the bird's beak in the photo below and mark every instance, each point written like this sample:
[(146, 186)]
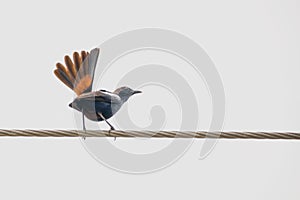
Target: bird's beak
[(70, 105), (136, 92)]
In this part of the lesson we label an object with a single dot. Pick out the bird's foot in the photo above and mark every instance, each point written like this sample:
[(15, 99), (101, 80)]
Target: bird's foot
[(84, 129), (111, 129)]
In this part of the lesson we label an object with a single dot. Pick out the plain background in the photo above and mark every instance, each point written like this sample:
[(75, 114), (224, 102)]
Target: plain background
[(255, 46)]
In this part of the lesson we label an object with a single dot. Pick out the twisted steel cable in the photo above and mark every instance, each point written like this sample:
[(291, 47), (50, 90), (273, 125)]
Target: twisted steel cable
[(148, 134)]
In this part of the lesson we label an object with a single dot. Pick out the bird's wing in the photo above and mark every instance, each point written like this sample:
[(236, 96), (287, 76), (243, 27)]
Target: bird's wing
[(78, 74), (100, 96)]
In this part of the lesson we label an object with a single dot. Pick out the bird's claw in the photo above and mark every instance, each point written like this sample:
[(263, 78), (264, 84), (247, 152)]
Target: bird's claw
[(111, 129), (84, 129)]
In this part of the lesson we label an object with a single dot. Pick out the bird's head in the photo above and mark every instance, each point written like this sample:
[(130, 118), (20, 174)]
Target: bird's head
[(126, 92)]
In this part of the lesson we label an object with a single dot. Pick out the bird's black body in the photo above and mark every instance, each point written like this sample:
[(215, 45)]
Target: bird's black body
[(90, 108), (98, 105), (93, 103), (107, 103)]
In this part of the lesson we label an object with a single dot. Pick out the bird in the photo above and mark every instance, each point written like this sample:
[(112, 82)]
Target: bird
[(78, 75)]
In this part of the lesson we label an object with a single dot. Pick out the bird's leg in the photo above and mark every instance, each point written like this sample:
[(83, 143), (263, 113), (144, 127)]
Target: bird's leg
[(83, 124), (111, 127)]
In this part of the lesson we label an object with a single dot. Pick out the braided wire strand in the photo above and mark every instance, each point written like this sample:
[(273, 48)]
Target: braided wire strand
[(148, 134)]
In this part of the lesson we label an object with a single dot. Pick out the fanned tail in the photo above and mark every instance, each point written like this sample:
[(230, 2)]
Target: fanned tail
[(78, 74)]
